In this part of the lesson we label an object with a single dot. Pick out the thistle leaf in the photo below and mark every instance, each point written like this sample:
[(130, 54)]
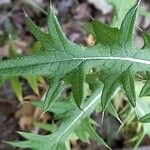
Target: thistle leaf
[(58, 138), (113, 54), (54, 63), (58, 37), (85, 131), (52, 94), (121, 9), (110, 86), (59, 107), (146, 37), (146, 88), (145, 118), (127, 81), (15, 82), (77, 78), (38, 33)]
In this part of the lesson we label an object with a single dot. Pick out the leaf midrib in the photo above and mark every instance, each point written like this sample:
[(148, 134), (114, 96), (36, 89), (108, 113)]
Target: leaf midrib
[(81, 114), (128, 59)]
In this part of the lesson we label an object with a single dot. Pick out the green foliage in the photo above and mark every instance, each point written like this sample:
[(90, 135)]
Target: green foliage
[(68, 125), (17, 88), (138, 117), (32, 80), (15, 81), (121, 9), (77, 78), (48, 127), (116, 61)]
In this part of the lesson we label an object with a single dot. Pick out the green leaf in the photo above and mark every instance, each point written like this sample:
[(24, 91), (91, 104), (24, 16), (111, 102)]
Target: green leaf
[(59, 39), (121, 9), (93, 79), (146, 88), (77, 78), (36, 47), (113, 54), (127, 80), (145, 118), (86, 132), (41, 79), (111, 84), (66, 128), (114, 58), (32, 80), (57, 63), (107, 34), (112, 110), (52, 94), (146, 37), (48, 127), (15, 82), (93, 135), (139, 140), (81, 132), (38, 33), (17, 88), (143, 109), (59, 107)]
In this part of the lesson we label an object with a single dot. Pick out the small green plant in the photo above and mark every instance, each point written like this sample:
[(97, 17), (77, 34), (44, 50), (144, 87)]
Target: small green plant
[(112, 63)]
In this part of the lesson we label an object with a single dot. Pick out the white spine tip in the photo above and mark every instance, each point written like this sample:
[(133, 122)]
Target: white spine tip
[(91, 17), (24, 12), (102, 119), (120, 121), (51, 5), (140, 28), (139, 2)]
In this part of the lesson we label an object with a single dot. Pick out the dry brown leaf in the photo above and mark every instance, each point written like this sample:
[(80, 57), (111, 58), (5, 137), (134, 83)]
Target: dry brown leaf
[(25, 116), (29, 97), (25, 110), (26, 123)]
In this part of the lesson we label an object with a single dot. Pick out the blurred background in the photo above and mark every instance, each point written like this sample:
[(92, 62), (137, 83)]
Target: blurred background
[(16, 39)]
